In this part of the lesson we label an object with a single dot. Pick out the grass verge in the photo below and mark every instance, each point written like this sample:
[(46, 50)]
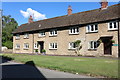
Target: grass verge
[(88, 66)]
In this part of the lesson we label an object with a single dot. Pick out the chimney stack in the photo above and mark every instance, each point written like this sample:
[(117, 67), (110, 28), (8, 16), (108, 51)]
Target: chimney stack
[(69, 10), (104, 4), (30, 20)]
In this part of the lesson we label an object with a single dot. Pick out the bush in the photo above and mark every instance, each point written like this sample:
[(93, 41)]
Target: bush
[(36, 50), (8, 44), (43, 50)]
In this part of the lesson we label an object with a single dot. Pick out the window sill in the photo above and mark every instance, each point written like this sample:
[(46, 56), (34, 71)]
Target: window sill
[(73, 33), (26, 38), (52, 49), (72, 49), (17, 39), (26, 48), (92, 49), (52, 35), (17, 48), (41, 36), (112, 29), (91, 32)]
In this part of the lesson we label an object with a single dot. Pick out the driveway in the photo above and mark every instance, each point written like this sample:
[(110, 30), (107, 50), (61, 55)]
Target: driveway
[(18, 70)]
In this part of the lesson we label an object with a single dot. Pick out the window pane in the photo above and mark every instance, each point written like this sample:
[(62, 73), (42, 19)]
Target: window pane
[(92, 29), (115, 26), (74, 45), (110, 25), (95, 45), (77, 29), (55, 45), (55, 31), (96, 27), (91, 44), (73, 30)]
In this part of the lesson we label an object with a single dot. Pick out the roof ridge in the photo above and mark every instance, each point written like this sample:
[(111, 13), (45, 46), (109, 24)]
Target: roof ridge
[(69, 15)]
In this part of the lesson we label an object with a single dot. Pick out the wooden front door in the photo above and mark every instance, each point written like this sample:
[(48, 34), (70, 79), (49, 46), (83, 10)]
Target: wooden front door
[(107, 47), (41, 43)]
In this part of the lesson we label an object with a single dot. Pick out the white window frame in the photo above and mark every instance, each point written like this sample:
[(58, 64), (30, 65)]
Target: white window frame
[(71, 45), (17, 46), (93, 46), (26, 47), (35, 45), (26, 36), (88, 28), (74, 30), (53, 32), (17, 36), (112, 25), (41, 34), (53, 46)]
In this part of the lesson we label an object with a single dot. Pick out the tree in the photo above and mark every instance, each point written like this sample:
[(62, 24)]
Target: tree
[(78, 46), (9, 25)]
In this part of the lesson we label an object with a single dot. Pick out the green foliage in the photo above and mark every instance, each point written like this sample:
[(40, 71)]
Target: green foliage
[(43, 50), (9, 25), (78, 46), (36, 50), (77, 43), (8, 44)]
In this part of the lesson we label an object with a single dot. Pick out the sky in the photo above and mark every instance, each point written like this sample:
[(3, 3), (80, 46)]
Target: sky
[(20, 11)]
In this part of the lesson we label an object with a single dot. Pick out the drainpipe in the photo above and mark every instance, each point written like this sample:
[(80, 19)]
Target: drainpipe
[(33, 43), (118, 40)]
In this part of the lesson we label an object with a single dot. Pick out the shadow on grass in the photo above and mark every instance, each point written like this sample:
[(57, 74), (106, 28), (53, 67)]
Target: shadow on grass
[(5, 59), (27, 71)]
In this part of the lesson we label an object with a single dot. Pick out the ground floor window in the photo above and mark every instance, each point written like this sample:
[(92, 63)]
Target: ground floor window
[(26, 46), (53, 46), (17, 46), (35, 46), (92, 45), (72, 45)]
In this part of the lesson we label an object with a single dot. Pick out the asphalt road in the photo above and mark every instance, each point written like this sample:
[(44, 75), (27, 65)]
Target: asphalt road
[(18, 70)]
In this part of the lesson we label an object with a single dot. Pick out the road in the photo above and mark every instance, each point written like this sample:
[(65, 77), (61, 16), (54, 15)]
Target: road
[(12, 69)]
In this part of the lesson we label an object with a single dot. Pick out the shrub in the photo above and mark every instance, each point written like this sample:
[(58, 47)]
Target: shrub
[(43, 50), (8, 44), (36, 50)]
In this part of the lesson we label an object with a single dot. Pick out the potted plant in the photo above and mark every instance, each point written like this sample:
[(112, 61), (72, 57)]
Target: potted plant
[(43, 51), (113, 41), (36, 51)]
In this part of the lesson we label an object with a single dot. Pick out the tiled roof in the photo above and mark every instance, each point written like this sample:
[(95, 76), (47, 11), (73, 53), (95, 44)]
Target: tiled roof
[(97, 15)]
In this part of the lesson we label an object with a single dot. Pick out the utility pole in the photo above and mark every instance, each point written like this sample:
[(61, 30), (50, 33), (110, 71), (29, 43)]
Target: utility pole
[(0, 31), (118, 39)]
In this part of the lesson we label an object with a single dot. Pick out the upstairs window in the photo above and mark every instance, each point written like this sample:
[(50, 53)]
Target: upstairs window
[(53, 33), (17, 36), (26, 46), (92, 28), (26, 36), (17, 46), (74, 30), (35, 46), (113, 25), (53, 46), (72, 45), (41, 34), (92, 45)]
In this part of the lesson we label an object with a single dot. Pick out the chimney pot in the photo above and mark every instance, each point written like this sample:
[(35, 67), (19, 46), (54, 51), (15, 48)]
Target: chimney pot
[(69, 10), (104, 4), (30, 20)]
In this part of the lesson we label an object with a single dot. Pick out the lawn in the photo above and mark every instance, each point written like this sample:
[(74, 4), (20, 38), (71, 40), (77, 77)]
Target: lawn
[(82, 65)]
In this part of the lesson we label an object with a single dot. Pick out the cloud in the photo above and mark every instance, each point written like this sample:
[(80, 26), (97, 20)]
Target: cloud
[(36, 15)]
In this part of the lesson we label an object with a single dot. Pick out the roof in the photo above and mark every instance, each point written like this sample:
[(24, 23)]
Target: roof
[(97, 15)]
